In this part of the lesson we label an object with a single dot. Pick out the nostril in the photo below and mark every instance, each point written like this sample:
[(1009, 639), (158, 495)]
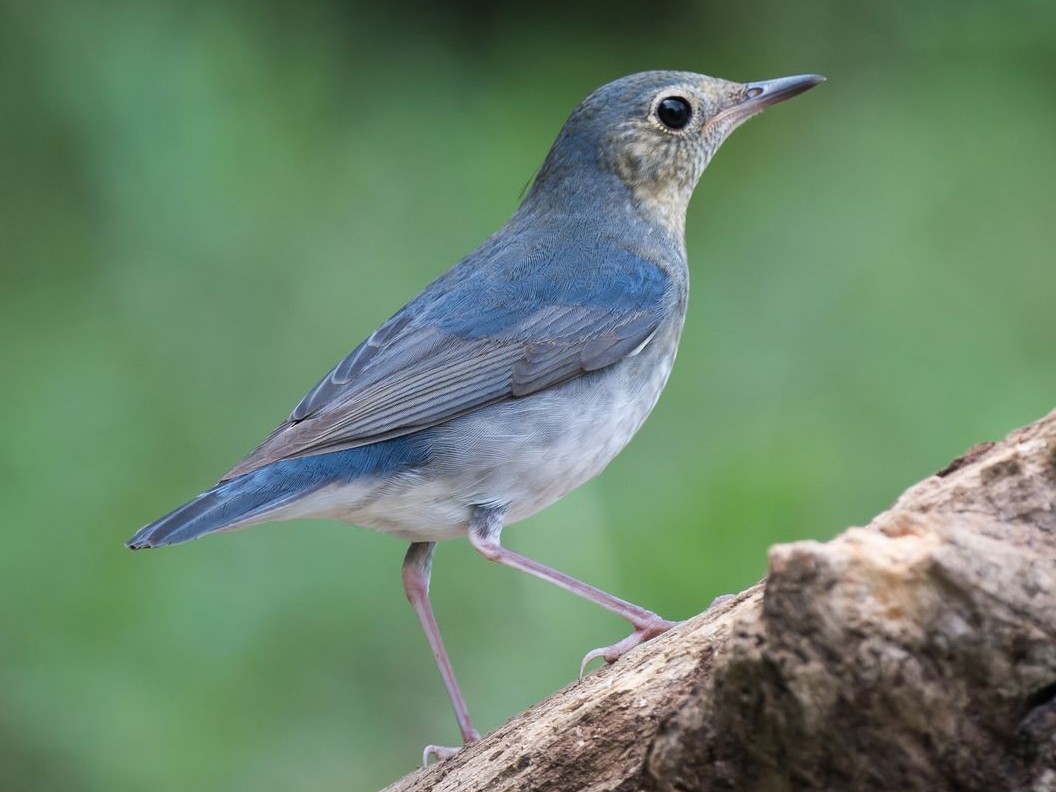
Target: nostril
[(754, 92)]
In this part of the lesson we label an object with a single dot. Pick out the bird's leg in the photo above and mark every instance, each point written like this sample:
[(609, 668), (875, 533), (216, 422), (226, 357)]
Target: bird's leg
[(417, 566), (485, 527)]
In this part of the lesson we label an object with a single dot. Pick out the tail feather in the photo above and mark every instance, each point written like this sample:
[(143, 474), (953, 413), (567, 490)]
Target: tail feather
[(233, 503), (259, 495)]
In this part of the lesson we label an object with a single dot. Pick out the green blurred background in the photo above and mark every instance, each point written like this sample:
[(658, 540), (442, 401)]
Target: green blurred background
[(206, 204)]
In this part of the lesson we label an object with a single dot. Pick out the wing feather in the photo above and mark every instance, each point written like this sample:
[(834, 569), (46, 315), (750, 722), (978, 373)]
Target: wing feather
[(483, 332)]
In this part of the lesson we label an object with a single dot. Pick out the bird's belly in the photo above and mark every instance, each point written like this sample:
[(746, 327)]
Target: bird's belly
[(525, 453)]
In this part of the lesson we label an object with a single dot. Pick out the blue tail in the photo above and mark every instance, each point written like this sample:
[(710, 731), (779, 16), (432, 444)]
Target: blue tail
[(227, 504), (252, 497)]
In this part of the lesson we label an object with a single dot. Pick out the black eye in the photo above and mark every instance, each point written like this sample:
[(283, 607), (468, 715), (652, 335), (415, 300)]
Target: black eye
[(674, 112)]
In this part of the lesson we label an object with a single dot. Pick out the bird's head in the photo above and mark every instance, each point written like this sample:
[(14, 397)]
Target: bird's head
[(656, 132)]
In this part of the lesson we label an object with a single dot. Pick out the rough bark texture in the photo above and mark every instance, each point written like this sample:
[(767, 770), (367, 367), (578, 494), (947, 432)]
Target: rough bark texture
[(917, 653)]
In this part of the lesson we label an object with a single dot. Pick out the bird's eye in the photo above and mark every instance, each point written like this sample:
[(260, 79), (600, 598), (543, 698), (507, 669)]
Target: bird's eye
[(674, 112)]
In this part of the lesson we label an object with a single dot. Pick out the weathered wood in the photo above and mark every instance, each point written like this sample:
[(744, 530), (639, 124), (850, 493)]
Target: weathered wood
[(918, 652)]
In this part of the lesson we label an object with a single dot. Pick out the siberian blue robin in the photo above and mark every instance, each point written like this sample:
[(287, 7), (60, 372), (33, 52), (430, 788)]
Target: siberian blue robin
[(521, 372)]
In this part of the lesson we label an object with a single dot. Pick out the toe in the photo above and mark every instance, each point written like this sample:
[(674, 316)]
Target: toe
[(441, 752), (642, 633)]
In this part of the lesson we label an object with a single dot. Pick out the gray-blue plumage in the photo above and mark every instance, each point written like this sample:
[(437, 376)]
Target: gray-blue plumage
[(521, 372)]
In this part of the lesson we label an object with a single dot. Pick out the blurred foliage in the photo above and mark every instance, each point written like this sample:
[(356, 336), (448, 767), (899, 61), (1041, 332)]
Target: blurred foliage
[(207, 203)]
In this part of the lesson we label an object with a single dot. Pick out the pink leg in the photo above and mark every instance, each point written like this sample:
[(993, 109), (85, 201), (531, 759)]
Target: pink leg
[(417, 566), (484, 531)]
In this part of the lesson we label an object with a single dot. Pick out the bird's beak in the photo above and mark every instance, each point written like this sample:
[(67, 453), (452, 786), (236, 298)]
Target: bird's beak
[(760, 95), (770, 92)]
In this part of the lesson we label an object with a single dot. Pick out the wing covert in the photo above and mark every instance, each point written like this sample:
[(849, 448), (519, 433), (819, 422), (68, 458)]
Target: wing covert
[(481, 333)]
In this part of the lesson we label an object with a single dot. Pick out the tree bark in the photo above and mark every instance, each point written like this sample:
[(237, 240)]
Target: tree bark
[(917, 653)]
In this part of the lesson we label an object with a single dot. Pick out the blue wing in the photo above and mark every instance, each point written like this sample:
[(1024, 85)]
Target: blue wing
[(506, 322)]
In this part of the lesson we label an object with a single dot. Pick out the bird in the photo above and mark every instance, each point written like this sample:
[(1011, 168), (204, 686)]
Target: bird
[(519, 373)]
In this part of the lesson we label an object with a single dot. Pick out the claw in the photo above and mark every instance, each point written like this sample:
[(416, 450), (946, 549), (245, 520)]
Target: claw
[(441, 752), (641, 634), (589, 657)]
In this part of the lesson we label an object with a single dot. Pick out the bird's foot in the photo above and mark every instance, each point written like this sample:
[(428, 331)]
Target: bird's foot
[(722, 599), (643, 632), (442, 752)]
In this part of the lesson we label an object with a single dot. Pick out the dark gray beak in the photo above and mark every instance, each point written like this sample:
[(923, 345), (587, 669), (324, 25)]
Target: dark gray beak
[(760, 95), (767, 92)]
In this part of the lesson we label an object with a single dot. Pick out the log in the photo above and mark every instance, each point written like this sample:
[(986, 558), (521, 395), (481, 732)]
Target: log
[(916, 653)]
